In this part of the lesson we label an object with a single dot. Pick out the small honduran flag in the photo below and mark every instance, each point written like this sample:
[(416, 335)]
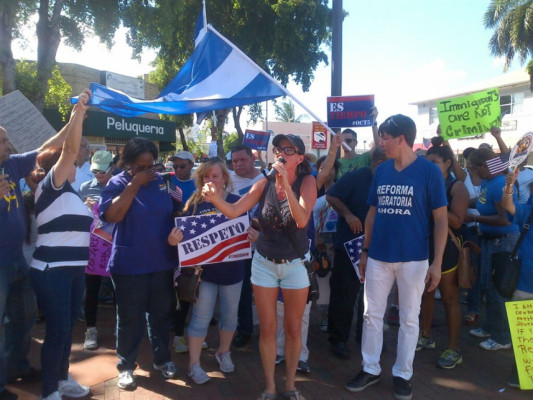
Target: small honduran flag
[(498, 164)]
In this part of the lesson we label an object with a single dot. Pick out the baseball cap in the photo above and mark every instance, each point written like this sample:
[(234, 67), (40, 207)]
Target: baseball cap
[(101, 160), (296, 141), (184, 155)]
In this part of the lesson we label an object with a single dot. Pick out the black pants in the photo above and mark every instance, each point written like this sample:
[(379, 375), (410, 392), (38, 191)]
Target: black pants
[(92, 292), (345, 288), (245, 325)]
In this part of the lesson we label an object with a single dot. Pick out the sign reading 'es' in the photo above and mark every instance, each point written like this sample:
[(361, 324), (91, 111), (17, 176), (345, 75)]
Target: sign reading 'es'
[(469, 115), (350, 111), (520, 315)]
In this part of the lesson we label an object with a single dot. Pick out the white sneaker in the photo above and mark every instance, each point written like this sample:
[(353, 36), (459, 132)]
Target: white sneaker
[(168, 369), (224, 360), (180, 344), (71, 388), (53, 396), (490, 344), (91, 339), (126, 380), (198, 375)]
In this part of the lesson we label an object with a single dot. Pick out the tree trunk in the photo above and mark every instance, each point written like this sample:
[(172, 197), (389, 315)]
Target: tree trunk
[(183, 140), (237, 111), (7, 63), (48, 39)]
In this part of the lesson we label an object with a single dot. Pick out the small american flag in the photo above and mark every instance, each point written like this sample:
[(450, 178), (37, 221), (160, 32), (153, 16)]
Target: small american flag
[(498, 164), (174, 191), (354, 249)]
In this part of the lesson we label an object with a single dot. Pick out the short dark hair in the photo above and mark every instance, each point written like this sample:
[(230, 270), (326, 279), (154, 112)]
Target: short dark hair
[(398, 125), (443, 152), (135, 147), (350, 131), (241, 147)]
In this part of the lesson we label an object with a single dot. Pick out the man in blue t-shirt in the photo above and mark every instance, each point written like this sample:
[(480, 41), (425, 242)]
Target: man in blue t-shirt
[(407, 201), (349, 198), (183, 163), (17, 301)]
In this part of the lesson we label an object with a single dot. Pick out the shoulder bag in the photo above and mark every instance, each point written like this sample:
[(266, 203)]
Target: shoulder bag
[(188, 283), (466, 271)]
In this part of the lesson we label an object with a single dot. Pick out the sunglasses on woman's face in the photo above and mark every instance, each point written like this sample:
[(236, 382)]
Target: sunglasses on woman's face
[(289, 151)]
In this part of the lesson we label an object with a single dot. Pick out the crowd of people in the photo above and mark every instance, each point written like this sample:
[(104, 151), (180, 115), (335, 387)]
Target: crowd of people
[(97, 217)]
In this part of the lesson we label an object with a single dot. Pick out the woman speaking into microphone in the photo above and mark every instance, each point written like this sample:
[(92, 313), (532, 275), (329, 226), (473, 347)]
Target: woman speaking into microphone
[(285, 206)]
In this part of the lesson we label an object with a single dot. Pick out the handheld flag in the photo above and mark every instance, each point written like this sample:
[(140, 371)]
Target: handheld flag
[(354, 249), (498, 164)]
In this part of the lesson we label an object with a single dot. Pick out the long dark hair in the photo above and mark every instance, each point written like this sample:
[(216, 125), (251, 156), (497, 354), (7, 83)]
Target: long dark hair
[(45, 161)]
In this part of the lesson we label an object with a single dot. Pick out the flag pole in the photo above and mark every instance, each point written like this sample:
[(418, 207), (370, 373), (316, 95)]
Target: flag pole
[(274, 81)]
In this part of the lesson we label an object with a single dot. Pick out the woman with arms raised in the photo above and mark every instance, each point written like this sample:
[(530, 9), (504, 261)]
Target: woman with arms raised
[(284, 210)]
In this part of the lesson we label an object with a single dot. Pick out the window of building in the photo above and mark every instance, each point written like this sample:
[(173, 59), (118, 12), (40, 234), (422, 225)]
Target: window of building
[(511, 103), (433, 115)]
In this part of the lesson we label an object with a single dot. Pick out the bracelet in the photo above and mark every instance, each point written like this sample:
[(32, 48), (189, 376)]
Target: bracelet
[(364, 250), (506, 193)]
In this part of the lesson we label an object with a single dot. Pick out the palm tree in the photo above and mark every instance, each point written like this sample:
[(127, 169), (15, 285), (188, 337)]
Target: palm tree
[(512, 21), (287, 113)]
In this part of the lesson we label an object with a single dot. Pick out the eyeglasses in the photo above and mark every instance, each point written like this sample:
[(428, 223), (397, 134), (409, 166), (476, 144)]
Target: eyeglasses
[(289, 151), (139, 168), (100, 172), (349, 140), (182, 166)]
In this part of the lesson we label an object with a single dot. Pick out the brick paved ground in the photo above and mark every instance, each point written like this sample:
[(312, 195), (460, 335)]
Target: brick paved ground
[(481, 376)]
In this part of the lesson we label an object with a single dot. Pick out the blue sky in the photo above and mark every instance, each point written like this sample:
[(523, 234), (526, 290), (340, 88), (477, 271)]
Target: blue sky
[(399, 50)]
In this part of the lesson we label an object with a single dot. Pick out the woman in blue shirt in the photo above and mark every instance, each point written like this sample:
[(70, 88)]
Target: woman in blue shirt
[(141, 261), (497, 234)]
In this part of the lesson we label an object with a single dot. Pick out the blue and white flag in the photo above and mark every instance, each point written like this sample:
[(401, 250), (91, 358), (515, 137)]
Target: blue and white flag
[(354, 249), (217, 75)]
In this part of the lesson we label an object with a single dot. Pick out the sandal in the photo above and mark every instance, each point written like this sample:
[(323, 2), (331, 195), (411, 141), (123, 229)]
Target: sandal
[(293, 395), (267, 396)]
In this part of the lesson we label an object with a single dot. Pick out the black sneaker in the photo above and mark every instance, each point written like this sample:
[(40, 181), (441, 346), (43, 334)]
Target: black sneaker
[(31, 375), (241, 340), (402, 388), (361, 381), (303, 366)]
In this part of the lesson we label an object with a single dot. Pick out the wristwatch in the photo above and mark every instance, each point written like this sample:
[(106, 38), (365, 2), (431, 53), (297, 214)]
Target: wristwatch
[(364, 249)]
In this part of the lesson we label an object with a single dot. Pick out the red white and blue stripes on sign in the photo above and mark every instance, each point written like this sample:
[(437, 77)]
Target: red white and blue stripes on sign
[(213, 238)]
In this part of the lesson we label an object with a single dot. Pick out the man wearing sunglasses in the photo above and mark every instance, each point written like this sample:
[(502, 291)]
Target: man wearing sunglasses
[(183, 163), (101, 168)]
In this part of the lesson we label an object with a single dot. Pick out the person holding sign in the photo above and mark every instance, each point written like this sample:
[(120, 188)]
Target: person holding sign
[(520, 214), (141, 262), (497, 234), (219, 280), (285, 206), (60, 256)]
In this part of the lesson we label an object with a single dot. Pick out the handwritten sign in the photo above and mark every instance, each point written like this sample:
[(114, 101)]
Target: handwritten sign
[(350, 111), (320, 136), (213, 238), (99, 250), (520, 315), (26, 127), (469, 115)]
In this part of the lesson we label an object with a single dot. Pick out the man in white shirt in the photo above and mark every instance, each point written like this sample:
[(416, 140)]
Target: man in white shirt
[(83, 166)]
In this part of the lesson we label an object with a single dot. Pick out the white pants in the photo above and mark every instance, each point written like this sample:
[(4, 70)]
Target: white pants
[(280, 333), (379, 279)]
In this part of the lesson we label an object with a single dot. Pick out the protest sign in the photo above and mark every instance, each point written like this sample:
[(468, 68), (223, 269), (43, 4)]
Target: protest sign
[(213, 238), (521, 150), (469, 115), (26, 127), (257, 140), (350, 111), (520, 315), (320, 136), (99, 247), (354, 248)]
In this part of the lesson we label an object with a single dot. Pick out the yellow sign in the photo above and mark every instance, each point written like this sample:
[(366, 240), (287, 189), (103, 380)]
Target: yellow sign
[(520, 315), (469, 115)]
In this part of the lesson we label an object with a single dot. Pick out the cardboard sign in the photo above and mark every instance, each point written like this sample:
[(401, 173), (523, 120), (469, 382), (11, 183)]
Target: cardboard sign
[(521, 150), (320, 136), (350, 111), (520, 315), (213, 238), (257, 140), (26, 127), (469, 115)]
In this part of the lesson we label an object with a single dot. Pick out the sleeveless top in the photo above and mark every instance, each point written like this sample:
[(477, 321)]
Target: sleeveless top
[(273, 241)]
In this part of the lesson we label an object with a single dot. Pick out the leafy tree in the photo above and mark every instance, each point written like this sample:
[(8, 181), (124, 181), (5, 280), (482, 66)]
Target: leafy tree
[(286, 112), (283, 37), (59, 91), (512, 21), (71, 20)]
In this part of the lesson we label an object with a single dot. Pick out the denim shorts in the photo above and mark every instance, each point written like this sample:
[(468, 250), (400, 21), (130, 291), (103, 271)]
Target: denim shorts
[(289, 275)]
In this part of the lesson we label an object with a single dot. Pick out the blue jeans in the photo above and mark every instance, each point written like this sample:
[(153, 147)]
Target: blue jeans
[(18, 311), (245, 326), (145, 299), (496, 322), (59, 291), (202, 311)]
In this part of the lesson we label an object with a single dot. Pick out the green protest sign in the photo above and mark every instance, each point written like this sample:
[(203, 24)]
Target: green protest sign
[(469, 115)]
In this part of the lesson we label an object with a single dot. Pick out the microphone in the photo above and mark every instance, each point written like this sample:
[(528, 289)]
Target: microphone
[(271, 175)]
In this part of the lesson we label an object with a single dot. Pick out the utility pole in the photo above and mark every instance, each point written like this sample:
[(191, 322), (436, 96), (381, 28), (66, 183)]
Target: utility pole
[(336, 53)]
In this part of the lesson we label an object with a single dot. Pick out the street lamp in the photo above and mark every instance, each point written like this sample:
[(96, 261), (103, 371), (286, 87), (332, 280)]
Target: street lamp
[(364, 145)]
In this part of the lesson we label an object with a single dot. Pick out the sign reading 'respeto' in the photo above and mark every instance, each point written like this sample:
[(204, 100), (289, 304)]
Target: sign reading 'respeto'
[(350, 111), (469, 115), (520, 315)]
